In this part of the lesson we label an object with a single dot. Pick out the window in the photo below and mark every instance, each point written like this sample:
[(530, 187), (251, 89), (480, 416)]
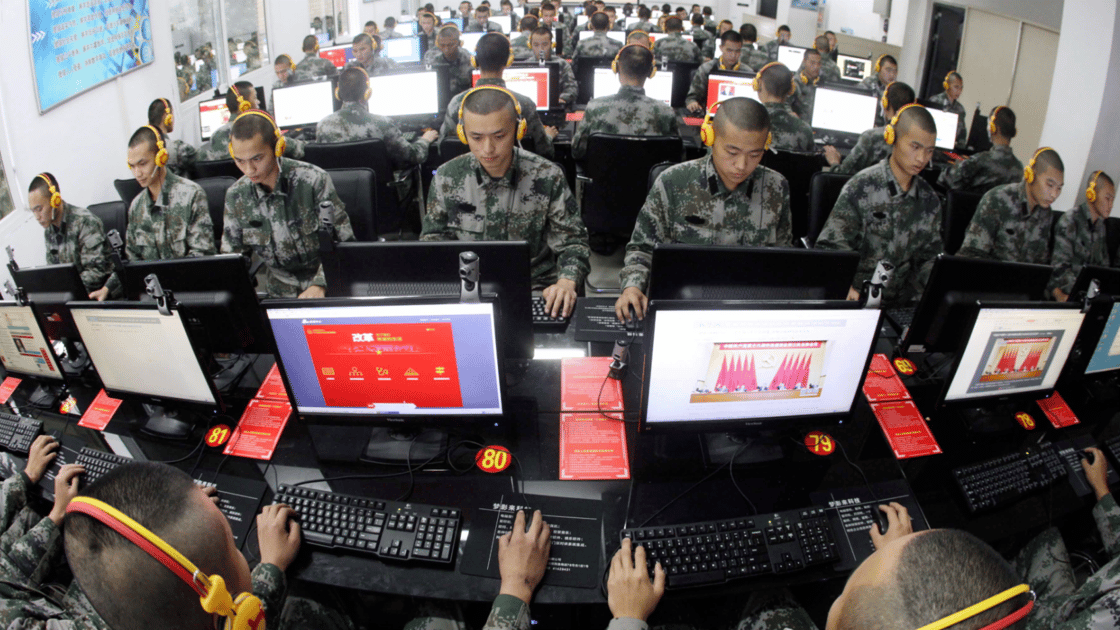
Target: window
[(246, 36), (328, 17), (204, 32)]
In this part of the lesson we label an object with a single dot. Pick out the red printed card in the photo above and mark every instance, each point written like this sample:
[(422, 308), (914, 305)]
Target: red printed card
[(592, 447), (581, 380), (100, 412), (882, 382), (272, 388), (905, 429), (260, 428), (1055, 408), (7, 387)]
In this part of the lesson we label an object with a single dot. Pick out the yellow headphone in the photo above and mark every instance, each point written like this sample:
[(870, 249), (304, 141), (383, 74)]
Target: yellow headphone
[(1091, 191), (521, 124), (992, 119), (161, 148), (369, 91), (375, 43), (708, 130), (883, 99), (945, 82), (509, 62), (879, 62), (889, 133), (242, 104), (805, 79), (614, 64), (281, 143), (291, 64), (1028, 171), (733, 68), (243, 612), (756, 83), (56, 198), (168, 117), (316, 51)]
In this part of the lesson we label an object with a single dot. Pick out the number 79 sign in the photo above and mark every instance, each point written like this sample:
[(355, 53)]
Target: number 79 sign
[(820, 443)]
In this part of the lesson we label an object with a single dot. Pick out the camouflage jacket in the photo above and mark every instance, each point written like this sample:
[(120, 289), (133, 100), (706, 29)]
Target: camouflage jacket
[(645, 27), (529, 203), (460, 68), (354, 122), (569, 89), (871, 84), (220, 139), (676, 48), (80, 239), (702, 38), (830, 71), (313, 66), (629, 112), (771, 49), (804, 95), (983, 171), (874, 217), (427, 40), (181, 157), (942, 101), (281, 227), (1078, 241), (790, 133), (475, 27), (690, 204), (597, 45), (521, 48), (377, 65), (30, 543), (698, 89), (390, 34), (871, 148), (1004, 228), (542, 144), (753, 57), (1097, 603), (178, 225)]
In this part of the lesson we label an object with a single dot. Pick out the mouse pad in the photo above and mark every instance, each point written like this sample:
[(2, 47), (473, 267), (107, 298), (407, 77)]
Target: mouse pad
[(853, 506), (595, 320)]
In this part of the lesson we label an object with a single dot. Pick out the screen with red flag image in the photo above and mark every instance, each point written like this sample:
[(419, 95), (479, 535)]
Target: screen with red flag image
[(531, 82), (423, 359)]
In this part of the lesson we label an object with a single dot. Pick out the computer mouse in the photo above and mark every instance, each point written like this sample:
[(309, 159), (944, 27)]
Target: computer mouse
[(1088, 456), (881, 520), (633, 324)]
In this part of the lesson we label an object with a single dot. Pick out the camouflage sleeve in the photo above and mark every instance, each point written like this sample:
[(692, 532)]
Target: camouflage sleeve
[(1062, 258), (931, 246), (1107, 515), (232, 242), (805, 138), (450, 121), (567, 235), (569, 89), (785, 218), (581, 137), (698, 90), (962, 133), (294, 147), (844, 230), (96, 265), (508, 613), (954, 177), (403, 153), (324, 191), (13, 497), (270, 585), (859, 159), (200, 229), (979, 238), (543, 144), (649, 230), (29, 558), (434, 224), (186, 156), (131, 231), (697, 56)]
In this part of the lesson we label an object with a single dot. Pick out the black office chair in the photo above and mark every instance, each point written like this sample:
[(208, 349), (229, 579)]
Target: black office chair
[(655, 172), (113, 215), (584, 70), (1112, 236), (127, 189), (798, 169), (215, 189), (451, 148), (824, 190), (372, 154), (956, 215), (609, 183), (217, 168), (357, 187)]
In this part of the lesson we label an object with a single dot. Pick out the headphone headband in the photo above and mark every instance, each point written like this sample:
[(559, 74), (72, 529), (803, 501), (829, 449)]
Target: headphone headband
[(756, 83), (1091, 191), (1028, 170), (522, 125), (708, 129), (879, 62), (161, 148), (889, 134), (992, 118), (616, 68), (281, 143), (945, 81), (988, 604), (56, 197)]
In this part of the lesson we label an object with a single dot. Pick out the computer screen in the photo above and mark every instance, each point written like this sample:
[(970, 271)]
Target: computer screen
[(725, 85), (841, 110), (402, 49), (618, 36), (137, 350), (660, 87), (741, 363), (582, 19), (1014, 351), (48, 290), (503, 22), (24, 348), (632, 20), (469, 41), (853, 68), (238, 69), (422, 89), (791, 56), (303, 105), (211, 115), (657, 36), (407, 29), (444, 15), (324, 39), (946, 128), (531, 82), (1106, 355), (363, 359), (338, 55)]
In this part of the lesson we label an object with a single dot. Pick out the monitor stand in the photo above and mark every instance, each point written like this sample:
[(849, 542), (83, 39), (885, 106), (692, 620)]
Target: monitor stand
[(404, 446), (74, 360), (995, 417), (1103, 390), (756, 448), (46, 396), (165, 422)]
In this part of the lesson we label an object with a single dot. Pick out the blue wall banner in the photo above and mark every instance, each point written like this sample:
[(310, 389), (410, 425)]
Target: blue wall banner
[(77, 45)]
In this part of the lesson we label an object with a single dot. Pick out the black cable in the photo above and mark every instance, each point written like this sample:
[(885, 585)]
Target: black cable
[(734, 482), (408, 464), (858, 469), (693, 486), (384, 476), (187, 456), (214, 479), (451, 463)]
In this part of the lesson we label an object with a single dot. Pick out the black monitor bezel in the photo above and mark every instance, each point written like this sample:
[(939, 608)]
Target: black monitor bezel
[(50, 349), (49, 278)]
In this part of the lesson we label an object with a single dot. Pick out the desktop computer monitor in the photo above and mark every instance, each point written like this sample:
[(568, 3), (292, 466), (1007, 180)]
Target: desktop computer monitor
[(532, 81), (846, 111), (402, 49), (725, 84), (853, 68), (791, 56), (338, 55), (324, 39), (1012, 349), (729, 366), (777, 273), (303, 105), (211, 115), (25, 349), (422, 89), (48, 289), (469, 40), (946, 128), (632, 20), (656, 36), (660, 87), (1108, 280), (444, 15), (1105, 356), (432, 269), (581, 20), (405, 29), (618, 36), (503, 22)]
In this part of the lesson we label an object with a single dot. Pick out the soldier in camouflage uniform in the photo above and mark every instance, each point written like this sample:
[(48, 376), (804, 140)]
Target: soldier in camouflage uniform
[(629, 112), (674, 47), (1080, 238), (448, 53), (983, 171), (367, 55), (789, 133), (886, 71), (830, 72), (752, 55), (499, 192), (180, 155), (871, 148), (709, 49), (493, 52), (218, 149), (1012, 222), (644, 25), (273, 211), (521, 45), (312, 65), (700, 36), (949, 101), (805, 85), (781, 38), (427, 32), (725, 199), (730, 47), (541, 41), (481, 22), (72, 234), (887, 212), (598, 44)]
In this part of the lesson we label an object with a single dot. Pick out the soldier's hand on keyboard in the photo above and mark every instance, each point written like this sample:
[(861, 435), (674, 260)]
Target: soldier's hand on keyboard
[(900, 524), (523, 556), (560, 298), (278, 535), (1097, 472), (551, 132), (65, 489), (832, 155), (431, 135), (210, 491), (630, 593), (43, 451)]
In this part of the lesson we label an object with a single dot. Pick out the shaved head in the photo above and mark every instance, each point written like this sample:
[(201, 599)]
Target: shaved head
[(1047, 160), (742, 113), (915, 117)]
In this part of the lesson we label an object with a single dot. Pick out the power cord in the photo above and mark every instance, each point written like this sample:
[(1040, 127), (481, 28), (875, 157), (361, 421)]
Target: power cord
[(693, 486)]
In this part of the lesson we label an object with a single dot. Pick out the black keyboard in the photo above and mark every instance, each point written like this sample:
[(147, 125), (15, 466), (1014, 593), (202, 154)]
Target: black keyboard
[(1003, 480), (543, 319), (98, 463), (901, 318), (17, 432), (390, 530), (1112, 447), (714, 552)]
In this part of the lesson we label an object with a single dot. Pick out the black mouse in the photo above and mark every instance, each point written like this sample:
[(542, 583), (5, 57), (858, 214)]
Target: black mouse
[(1088, 456), (633, 325), (881, 520)]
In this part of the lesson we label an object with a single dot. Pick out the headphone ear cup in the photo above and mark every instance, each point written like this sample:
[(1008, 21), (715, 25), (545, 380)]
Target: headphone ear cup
[(281, 144), (1090, 194), (461, 133), (474, 64), (337, 97), (769, 141), (653, 70), (614, 65), (369, 92), (521, 127), (888, 134), (1028, 174), (509, 62), (707, 132), (162, 156), (249, 614)]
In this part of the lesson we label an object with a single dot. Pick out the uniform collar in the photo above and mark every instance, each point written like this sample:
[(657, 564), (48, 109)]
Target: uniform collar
[(486, 181), (715, 183), (281, 182), (354, 106), (631, 90), (169, 180), (1001, 148), (676, 35), (497, 82), (893, 185), (1087, 215)]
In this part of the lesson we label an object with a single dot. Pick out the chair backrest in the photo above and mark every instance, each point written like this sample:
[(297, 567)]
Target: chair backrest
[(959, 208), (617, 165), (217, 168), (215, 189), (356, 187), (127, 189), (798, 169), (113, 214), (1112, 236), (370, 154), (451, 148), (584, 70), (824, 190), (656, 171)]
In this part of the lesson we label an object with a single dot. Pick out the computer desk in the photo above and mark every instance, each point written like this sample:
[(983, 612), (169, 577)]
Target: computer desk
[(533, 396)]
